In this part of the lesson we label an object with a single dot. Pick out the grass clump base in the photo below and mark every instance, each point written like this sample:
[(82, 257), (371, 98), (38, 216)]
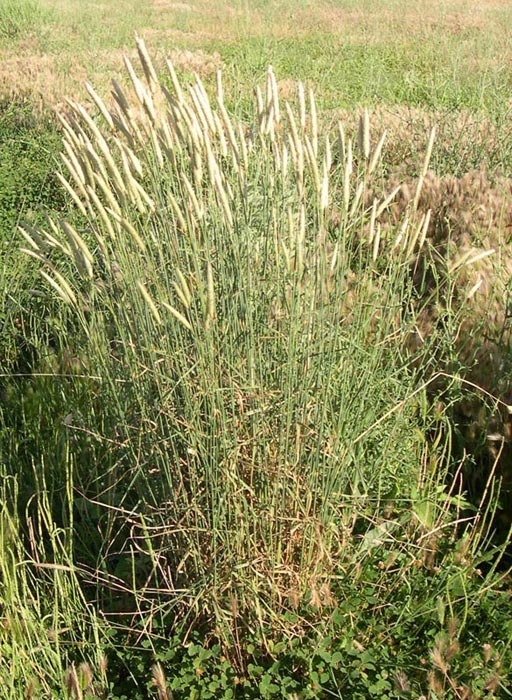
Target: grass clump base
[(237, 477)]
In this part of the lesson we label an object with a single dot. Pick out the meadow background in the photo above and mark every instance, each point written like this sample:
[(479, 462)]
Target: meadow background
[(244, 446)]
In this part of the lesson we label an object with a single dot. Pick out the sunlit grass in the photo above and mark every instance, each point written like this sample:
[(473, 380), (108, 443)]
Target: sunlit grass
[(232, 420)]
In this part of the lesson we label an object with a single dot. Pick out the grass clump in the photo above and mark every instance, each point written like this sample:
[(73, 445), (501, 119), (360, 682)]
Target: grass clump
[(236, 466), (18, 18)]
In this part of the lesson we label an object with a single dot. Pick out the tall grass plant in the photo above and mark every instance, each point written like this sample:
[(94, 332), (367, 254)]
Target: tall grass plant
[(230, 441)]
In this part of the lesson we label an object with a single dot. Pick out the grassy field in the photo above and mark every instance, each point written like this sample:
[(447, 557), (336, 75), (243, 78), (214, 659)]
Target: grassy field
[(255, 352)]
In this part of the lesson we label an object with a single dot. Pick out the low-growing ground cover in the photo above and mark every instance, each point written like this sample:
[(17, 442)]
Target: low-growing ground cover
[(240, 456)]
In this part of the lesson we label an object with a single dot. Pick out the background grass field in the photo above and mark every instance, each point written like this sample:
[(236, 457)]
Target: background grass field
[(253, 429)]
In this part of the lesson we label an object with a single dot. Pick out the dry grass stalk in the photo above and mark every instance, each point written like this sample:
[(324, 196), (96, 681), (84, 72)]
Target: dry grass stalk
[(424, 170), (314, 122), (348, 164), (150, 302), (159, 680), (364, 135), (313, 164)]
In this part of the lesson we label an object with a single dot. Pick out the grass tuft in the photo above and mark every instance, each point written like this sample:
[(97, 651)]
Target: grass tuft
[(235, 468)]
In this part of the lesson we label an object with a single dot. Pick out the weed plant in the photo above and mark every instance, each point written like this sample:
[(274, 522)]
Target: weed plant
[(225, 462)]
